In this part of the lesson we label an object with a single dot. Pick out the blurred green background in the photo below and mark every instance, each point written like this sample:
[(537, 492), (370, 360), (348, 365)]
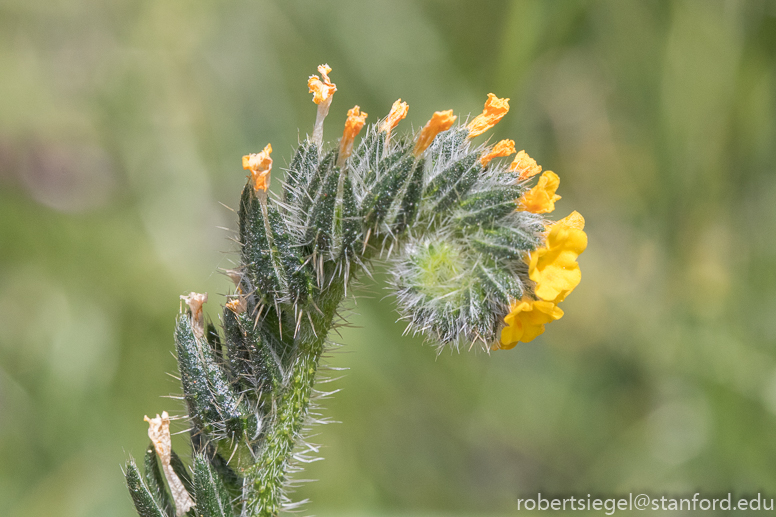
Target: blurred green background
[(122, 125)]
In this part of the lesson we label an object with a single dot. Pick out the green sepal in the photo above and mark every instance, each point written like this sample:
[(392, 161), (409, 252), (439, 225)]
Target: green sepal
[(182, 472), (145, 503), (509, 242), (297, 278), (309, 193), (261, 263), (206, 386), (502, 286), (303, 166), (448, 144), (212, 497), (194, 377), (154, 479), (483, 208), (379, 200), (349, 225), (259, 356), (410, 202), (321, 221), (231, 480), (237, 348), (369, 154), (453, 183), (214, 340)]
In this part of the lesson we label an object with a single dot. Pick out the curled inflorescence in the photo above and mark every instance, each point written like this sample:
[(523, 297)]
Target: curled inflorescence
[(473, 260)]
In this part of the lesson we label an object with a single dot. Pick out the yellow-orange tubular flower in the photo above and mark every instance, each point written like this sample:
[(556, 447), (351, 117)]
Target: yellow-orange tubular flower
[(323, 92), (526, 321), (440, 121), (398, 112), (495, 109), (525, 165), (353, 125), (541, 199), (322, 89), (554, 267), (260, 165), (501, 149)]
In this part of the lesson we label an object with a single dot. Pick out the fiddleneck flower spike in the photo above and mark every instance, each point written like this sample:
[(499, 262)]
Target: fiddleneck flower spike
[(501, 149), (466, 268), (494, 110), (353, 125), (542, 197), (323, 91), (440, 121), (525, 165), (398, 112), (260, 165)]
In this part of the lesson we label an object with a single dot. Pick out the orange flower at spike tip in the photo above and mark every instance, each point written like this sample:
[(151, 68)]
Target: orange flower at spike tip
[(525, 165), (495, 109), (260, 165), (541, 199), (526, 321), (554, 267), (502, 148), (321, 89), (440, 121), (398, 112), (353, 125)]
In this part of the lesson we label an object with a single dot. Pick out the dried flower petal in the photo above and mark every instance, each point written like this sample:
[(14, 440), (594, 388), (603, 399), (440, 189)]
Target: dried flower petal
[(159, 432)]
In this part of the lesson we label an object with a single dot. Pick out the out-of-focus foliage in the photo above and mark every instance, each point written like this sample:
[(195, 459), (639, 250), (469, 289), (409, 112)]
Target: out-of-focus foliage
[(122, 125)]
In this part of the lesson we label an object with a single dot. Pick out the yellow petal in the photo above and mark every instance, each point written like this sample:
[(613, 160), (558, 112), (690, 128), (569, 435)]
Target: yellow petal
[(554, 267), (525, 165), (526, 321), (573, 220), (541, 199)]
